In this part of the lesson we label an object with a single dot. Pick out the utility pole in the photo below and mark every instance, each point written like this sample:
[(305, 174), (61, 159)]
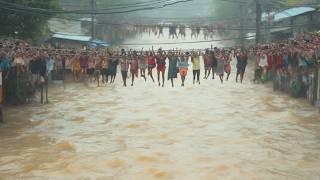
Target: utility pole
[(93, 8), (241, 25), (258, 20)]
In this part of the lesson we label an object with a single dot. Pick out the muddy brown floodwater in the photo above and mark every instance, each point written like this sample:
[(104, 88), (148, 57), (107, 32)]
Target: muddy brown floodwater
[(207, 131)]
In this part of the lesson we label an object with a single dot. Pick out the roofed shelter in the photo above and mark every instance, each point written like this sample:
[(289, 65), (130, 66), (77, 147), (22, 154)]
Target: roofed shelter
[(297, 18)]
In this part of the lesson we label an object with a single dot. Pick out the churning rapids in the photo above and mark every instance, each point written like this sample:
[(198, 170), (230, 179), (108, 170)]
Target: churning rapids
[(207, 131)]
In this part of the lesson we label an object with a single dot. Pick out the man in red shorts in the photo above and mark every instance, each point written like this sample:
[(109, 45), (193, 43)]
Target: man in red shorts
[(161, 65)]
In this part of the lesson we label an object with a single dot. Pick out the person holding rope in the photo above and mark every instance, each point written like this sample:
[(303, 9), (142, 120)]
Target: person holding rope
[(242, 61), (161, 65), (183, 66), (151, 63), (195, 59), (134, 66), (143, 64), (172, 70), (124, 65)]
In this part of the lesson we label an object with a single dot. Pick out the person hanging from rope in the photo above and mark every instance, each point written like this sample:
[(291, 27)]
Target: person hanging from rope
[(172, 70), (195, 59), (151, 63), (183, 65), (161, 65), (124, 64), (143, 64)]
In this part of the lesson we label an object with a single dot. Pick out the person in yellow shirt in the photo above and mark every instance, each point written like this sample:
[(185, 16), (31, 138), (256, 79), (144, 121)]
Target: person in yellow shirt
[(195, 59)]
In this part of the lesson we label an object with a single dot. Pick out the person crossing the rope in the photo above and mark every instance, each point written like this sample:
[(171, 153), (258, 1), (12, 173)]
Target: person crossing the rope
[(263, 64), (220, 65), (195, 59), (183, 65), (173, 31), (97, 68), (104, 70), (198, 29), (76, 68), (151, 63), (205, 33), (83, 60), (113, 67), (242, 59), (207, 64), (161, 65), (134, 66), (172, 70), (160, 27), (213, 60), (182, 31), (19, 62), (143, 64), (193, 32), (227, 65), (90, 70), (124, 65)]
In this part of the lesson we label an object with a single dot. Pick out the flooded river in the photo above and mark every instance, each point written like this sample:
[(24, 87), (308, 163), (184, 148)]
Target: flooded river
[(207, 131)]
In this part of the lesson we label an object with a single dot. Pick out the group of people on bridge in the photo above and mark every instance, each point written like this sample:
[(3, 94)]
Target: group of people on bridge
[(179, 30)]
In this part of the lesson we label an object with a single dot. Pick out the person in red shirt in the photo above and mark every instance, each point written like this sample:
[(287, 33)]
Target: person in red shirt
[(151, 63), (161, 65), (270, 61), (278, 60)]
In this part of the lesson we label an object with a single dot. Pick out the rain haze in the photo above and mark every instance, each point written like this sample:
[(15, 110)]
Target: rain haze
[(159, 89)]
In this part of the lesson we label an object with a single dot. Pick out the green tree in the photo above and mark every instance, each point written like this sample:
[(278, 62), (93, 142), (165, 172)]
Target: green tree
[(23, 23)]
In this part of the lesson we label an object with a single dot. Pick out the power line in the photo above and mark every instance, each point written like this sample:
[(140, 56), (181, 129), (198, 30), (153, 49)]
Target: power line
[(50, 11)]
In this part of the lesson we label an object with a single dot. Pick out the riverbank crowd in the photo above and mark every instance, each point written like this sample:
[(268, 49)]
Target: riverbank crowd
[(102, 65), (292, 64)]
